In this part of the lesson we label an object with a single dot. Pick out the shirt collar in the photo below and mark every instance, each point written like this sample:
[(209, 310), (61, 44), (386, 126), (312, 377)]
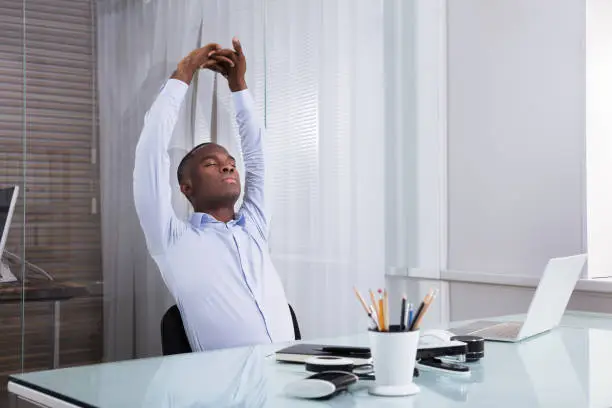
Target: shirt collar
[(199, 219)]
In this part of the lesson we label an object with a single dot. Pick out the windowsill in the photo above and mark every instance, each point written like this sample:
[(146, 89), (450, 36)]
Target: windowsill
[(599, 285), (602, 285)]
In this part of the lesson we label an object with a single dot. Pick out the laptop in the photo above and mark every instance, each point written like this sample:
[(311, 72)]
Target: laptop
[(546, 309)]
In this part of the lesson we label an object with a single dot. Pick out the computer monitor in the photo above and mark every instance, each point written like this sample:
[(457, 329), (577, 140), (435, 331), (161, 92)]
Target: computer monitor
[(8, 201)]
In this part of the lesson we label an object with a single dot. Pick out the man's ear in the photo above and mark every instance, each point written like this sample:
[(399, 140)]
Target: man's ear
[(186, 188)]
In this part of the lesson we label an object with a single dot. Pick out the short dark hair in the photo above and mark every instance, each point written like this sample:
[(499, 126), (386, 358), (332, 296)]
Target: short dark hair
[(181, 167)]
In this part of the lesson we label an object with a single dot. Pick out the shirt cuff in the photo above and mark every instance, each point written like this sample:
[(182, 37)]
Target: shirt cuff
[(243, 100), (175, 88)]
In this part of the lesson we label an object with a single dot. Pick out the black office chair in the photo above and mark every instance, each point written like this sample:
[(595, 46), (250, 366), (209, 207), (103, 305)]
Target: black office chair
[(296, 327), (174, 339)]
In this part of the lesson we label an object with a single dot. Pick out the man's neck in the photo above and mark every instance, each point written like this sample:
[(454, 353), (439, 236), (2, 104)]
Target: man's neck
[(223, 214)]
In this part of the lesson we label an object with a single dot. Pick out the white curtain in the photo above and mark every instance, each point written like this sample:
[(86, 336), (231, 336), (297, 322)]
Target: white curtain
[(139, 45), (214, 118), (324, 105), (315, 69)]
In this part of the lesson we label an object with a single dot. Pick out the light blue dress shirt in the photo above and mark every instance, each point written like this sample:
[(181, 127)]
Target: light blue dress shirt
[(220, 274)]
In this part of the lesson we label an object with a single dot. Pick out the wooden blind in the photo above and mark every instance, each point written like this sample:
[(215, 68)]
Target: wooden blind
[(51, 152)]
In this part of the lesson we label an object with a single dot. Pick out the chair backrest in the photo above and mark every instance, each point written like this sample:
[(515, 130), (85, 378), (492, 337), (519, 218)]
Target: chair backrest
[(174, 338), (296, 327)]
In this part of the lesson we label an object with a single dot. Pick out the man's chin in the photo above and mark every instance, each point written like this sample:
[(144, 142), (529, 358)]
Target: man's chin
[(232, 194)]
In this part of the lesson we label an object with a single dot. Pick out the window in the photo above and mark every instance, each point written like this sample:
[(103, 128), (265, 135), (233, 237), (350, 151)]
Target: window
[(48, 146)]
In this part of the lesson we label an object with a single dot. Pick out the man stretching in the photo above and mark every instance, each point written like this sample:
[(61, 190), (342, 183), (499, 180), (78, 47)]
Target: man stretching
[(217, 266)]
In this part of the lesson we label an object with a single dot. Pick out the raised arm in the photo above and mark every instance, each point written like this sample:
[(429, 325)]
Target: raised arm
[(152, 191), (251, 133), (251, 139)]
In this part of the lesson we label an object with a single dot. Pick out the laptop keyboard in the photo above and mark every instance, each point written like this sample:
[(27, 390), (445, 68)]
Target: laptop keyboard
[(470, 328), (508, 330)]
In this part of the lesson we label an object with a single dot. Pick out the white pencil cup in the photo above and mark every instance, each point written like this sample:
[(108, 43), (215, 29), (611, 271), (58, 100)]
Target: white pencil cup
[(394, 358)]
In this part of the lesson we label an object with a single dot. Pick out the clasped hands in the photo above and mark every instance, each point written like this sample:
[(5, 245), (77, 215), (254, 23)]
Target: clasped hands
[(228, 62)]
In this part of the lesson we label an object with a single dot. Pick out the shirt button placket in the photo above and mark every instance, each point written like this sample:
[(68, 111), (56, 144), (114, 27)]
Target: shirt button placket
[(247, 280), (241, 259)]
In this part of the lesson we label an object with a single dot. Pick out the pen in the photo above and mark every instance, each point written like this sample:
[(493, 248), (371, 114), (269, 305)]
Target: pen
[(375, 318), (419, 312), (403, 314), (374, 304), (348, 350), (410, 314), (423, 309), (416, 315), (386, 305), (365, 306), (381, 311)]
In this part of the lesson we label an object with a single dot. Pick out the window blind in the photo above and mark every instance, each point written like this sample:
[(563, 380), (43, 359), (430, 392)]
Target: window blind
[(56, 166)]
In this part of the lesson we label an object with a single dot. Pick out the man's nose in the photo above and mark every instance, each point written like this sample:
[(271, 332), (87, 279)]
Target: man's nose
[(228, 169)]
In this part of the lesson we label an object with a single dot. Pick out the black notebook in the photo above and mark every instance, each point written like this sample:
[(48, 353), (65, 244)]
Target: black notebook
[(299, 353)]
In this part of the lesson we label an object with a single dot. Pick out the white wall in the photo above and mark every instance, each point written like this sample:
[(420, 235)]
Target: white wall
[(516, 133), (477, 300), (599, 135)]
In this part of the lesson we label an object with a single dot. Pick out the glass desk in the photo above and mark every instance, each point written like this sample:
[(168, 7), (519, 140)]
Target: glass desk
[(567, 367)]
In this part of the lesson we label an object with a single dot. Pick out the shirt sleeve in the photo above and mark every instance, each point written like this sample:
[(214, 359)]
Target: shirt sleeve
[(152, 190), (251, 139)]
